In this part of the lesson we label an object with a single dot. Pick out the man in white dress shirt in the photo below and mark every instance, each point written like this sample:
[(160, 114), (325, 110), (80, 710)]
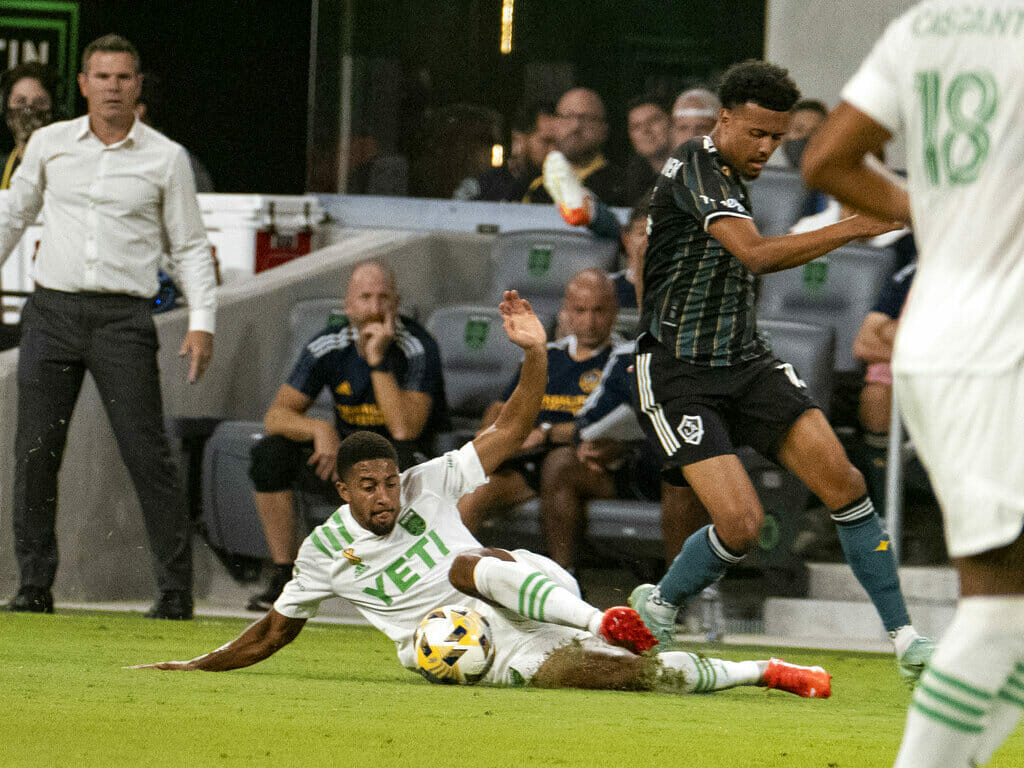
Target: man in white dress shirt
[(113, 194)]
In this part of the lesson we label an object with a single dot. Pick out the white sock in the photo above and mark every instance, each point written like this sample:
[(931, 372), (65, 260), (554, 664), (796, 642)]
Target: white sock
[(529, 592), (1005, 715), (701, 674), (951, 709)]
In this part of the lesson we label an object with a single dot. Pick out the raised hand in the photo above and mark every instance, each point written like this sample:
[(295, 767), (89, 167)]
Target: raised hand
[(523, 327), (376, 337)]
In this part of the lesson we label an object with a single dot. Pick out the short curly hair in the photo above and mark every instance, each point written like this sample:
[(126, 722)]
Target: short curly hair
[(363, 446), (767, 85)]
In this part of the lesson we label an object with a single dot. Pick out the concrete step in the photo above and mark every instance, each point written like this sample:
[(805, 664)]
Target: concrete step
[(925, 583), (830, 620)]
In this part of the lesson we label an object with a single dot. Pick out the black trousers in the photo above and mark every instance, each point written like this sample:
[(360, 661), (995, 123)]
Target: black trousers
[(113, 337)]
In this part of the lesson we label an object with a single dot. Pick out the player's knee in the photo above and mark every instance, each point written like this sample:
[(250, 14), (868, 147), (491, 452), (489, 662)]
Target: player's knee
[(740, 528), (560, 466)]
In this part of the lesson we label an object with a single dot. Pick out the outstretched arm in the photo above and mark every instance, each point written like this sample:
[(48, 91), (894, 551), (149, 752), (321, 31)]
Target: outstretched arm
[(762, 254), (261, 640), (515, 420), (839, 160)]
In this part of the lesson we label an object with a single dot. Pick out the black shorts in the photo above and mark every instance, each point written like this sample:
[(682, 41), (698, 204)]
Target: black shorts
[(696, 412)]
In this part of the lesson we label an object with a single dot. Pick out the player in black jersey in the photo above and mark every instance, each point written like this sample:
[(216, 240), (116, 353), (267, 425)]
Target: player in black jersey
[(708, 381)]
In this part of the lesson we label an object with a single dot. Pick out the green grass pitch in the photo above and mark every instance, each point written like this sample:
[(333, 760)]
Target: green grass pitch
[(337, 696)]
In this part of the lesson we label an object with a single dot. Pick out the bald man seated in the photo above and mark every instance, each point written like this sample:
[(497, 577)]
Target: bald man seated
[(575, 363), (383, 370)]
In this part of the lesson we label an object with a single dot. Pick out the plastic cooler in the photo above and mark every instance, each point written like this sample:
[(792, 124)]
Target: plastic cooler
[(252, 233)]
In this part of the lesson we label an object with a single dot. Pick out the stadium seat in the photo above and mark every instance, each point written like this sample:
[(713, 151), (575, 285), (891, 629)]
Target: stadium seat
[(779, 199), (229, 511), (539, 263), (477, 358), (837, 290)]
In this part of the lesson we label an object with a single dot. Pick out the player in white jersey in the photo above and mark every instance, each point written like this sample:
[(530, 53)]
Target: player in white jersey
[(397, 549), (949, 76)]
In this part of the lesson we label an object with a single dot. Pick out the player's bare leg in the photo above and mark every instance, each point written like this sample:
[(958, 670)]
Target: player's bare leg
[(581, 665), (815, 455), (566, 485)]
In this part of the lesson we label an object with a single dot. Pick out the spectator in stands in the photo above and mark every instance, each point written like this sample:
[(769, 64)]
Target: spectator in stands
[(694, 113), (532, 137), (384, 373), (609, 458), (873, 345), (648, 122), (28, 94), (581, 133), (808, 115), (634, 244), (150, 110), (575, 363)]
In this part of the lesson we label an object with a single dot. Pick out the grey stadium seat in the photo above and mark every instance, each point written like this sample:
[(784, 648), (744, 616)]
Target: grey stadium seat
[(477, 358), (837, 290), (778, 197), (539, 263)]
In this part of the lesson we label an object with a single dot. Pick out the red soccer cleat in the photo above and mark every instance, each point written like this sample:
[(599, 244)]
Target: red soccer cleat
[(809, 682), (623, 626)]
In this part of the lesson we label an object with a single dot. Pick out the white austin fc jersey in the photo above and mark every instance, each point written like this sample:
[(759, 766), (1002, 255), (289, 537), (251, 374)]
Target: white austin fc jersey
[(950, 76), (392, 580)]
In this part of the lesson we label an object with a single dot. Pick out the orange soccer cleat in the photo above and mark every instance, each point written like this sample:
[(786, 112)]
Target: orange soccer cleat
[(809, 682), (623, 626)]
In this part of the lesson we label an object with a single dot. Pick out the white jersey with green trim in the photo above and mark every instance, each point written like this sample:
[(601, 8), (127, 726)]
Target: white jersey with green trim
[(392, 580), (949, 75)]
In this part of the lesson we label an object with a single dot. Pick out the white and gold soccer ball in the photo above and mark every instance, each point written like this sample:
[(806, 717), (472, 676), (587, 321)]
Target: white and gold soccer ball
[(453, 646)]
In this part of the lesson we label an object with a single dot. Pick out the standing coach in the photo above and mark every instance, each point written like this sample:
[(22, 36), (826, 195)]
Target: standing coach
[(114, 195)]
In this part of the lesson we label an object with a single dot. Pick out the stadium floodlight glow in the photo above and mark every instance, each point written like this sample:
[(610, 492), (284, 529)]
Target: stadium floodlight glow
[(497, 155), (506, 26)]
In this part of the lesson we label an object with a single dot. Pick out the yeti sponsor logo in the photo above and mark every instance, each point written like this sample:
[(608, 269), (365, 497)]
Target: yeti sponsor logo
[(691, 429)]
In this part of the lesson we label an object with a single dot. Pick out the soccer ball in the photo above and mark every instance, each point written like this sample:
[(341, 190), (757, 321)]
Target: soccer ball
[(453, 646)]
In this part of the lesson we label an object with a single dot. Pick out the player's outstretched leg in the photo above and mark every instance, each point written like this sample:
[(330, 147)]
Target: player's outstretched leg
[(868, 550), (538, 588), (702, 561), (691, 673)]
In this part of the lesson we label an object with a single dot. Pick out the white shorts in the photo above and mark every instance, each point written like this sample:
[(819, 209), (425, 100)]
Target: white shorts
[(968, 431), (522, 645)]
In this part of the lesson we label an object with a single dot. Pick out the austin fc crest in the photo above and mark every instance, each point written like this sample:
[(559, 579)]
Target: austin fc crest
[(476, 332), (539, 261), (691, 429), (412, 522)]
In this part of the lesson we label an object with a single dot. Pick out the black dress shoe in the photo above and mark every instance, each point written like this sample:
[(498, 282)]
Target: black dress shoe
[(32, 600), (174, 604)]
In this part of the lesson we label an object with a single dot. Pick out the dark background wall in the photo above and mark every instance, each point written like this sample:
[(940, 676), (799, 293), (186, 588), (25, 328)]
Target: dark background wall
[(235, 79), (236, 72)]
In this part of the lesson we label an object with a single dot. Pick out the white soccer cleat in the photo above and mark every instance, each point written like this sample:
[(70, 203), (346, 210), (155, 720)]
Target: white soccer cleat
[(566, 190)]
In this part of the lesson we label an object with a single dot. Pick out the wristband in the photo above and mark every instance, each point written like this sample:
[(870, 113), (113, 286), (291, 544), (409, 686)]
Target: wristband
[(379, 367)]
